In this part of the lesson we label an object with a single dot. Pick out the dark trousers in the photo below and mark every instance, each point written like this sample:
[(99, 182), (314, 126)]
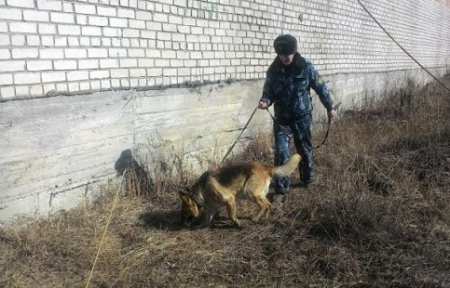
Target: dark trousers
[(300, 131)]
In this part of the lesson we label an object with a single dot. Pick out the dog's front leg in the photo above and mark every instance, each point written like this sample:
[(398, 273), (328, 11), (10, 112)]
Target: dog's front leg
[(206, 217), (231, 209), (264, 208)]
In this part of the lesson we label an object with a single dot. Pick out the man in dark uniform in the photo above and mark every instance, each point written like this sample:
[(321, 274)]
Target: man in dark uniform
[(287, 86)]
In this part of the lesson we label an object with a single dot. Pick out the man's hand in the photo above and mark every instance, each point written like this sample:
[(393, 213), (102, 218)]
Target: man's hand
[(263, 104), (332, 114)]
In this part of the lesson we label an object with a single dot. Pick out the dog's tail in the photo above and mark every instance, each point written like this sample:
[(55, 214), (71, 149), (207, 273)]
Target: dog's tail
[(288, 168)]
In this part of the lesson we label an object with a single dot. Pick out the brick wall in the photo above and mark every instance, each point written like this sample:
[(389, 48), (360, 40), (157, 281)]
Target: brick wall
[(62, 47)]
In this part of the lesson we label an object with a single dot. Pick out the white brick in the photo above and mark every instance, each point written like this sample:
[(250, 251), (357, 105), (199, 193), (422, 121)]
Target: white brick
[(81, 19), (7, 92), (189, 21), (18, 40), (153, 53), (184, 29), (75, 53), (22, 90), (145, 62), (39, 65), (178, 37), (68, 7), (85, 86), (61, 87), (21, 3), (85, 41), (53, 76), (125, 83), (77, 75), (4, 40), (36, 16), (21, 27), (97, 53), (119, 73), (163, 36), (170, 72), (6, 79), (136, 52), (51, 53), (111, 32), (84, 8), (154, 72), (73, 41), (115, 83), (36, 90), (148, 34), (91, 31), (175, 19), (61, 41), (48, 87), (69, 29), (106, 42), (125, 13), (88, 64), (33, 40), (23, 53), (10, 14), (99, 74), (105, 84), (137, 72), (116, 42), (49, 5), (109, 63), (73, 87), (47, 29), (106, 11), (27, 78), (57, 17), (118, 22), (98, 21), (65, 64), (95, 85), (169, 27), (95, 41), (117, 52), (3, 27), (138, 24), (162, 63), (4, 54), (143, 15), (181, 3), (130, 33), (47, 41), (128, 62), (159, 17)]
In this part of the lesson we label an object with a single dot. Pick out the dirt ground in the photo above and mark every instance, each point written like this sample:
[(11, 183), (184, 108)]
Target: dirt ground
[(378, 215)]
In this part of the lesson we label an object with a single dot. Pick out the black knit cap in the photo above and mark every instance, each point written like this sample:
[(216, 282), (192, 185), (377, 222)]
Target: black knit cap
[(285, 44)]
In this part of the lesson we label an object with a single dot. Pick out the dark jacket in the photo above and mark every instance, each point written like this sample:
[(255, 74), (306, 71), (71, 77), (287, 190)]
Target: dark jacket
[(288, 87)]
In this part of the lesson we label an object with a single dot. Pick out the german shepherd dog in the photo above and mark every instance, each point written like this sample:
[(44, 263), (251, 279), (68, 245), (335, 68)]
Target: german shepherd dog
[(221, 187)]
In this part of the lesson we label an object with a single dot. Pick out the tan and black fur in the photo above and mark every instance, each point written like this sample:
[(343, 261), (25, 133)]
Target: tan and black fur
[(221, 188)]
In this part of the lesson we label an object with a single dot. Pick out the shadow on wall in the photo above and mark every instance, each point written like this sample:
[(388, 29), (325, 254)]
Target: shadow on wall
[(136, 181)]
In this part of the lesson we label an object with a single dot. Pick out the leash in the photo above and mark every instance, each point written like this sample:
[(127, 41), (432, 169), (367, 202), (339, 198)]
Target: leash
[(324, 140), (240, 134)]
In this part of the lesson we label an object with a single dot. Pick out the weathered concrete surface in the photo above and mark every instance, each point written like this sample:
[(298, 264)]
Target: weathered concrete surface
[(52, 147)]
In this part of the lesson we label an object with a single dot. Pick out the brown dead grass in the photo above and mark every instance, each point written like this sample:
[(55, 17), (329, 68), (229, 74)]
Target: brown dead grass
[(378, 216)]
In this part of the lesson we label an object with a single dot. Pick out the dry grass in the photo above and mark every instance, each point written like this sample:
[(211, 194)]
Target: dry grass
[(378, 216)]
